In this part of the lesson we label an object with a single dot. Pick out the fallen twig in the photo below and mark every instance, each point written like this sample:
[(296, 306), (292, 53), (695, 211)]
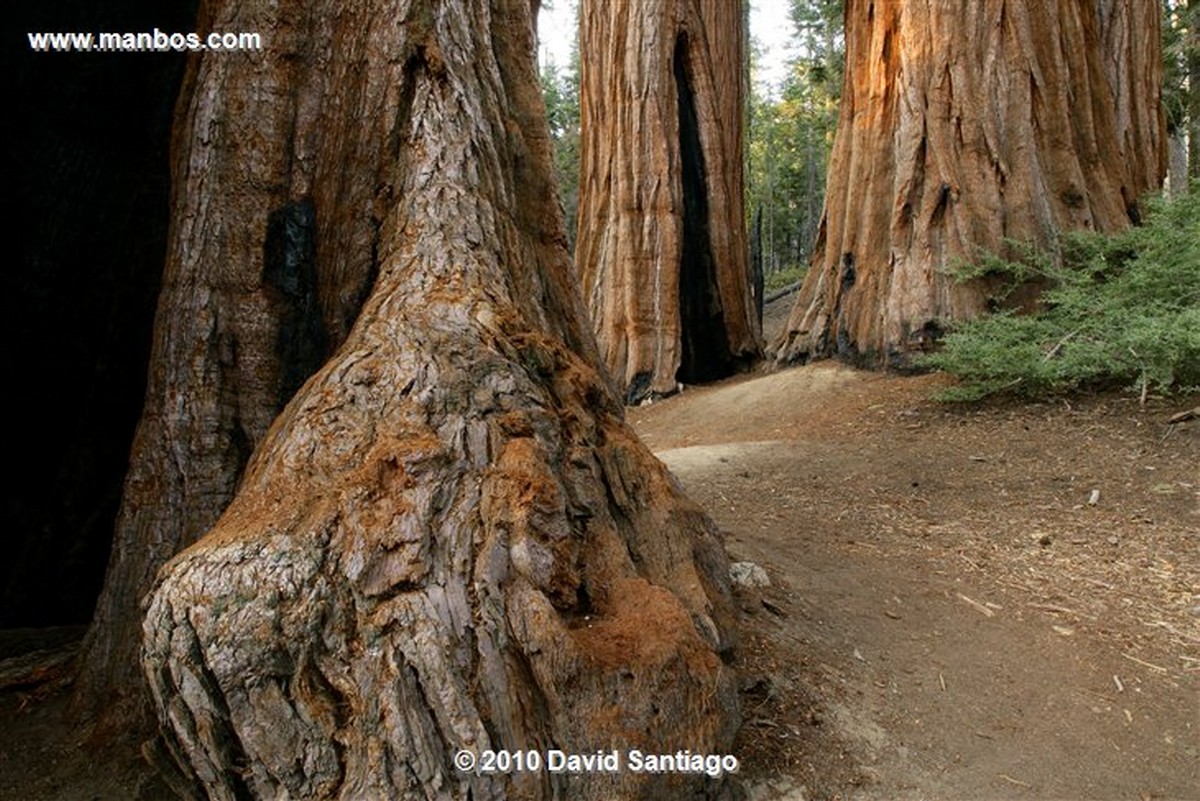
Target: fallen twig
[(1098, 583), (1054, 608), (1143, 663), (1058, 345), (774, 609), (1183, 417), (969, 562), (781, 292), (1065, 610), (1017, 782), (977, 605), (1017, 586)]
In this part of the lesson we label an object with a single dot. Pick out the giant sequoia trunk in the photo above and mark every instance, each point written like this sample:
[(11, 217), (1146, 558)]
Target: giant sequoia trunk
[(960, 129), (661, 245), (448, 539), (281, 181)]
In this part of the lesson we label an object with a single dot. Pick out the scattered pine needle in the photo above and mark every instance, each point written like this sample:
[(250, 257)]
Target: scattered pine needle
[(1017, 782)]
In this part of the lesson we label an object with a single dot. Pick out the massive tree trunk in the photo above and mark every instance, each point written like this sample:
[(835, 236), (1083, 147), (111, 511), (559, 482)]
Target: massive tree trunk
[(272, 248), (960, 130), (448, 539), (661, 245)]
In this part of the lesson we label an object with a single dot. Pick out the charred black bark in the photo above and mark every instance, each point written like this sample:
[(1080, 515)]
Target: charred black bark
[(704, 340), (290, 270)]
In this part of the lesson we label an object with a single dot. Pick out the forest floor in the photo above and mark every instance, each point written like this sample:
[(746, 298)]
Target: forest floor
[(995, 601)]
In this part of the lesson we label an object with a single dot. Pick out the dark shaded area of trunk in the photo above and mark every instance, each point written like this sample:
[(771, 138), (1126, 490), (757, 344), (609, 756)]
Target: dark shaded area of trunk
[(704, 340), (290, 270), (756, 263), (87, 138)]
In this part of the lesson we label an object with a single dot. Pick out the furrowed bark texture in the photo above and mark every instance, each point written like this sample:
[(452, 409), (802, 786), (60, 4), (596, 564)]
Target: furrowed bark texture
[(661, 245), (961, 128), (449, 538), (283, 170)]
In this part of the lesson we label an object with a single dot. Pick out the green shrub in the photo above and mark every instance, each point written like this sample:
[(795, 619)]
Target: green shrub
[(1122, 309)]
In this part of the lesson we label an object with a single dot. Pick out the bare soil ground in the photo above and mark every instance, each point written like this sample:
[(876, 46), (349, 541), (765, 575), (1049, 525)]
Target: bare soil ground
[(983, 602), (977, 602)]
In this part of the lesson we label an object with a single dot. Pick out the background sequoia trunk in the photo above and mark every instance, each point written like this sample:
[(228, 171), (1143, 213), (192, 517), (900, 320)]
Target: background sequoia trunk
[(449, 538), (661, 245), (960, 129)]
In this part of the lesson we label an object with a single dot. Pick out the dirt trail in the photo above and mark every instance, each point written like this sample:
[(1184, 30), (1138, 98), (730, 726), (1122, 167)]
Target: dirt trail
[(966, 603), (997, 602)]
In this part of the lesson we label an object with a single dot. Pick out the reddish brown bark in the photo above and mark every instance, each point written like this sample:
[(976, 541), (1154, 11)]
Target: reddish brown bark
[(449, 538), (271, 252), (661, 246), (961, 129)]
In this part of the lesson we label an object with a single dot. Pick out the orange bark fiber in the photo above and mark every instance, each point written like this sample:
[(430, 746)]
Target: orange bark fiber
[(403, 568), (964, 126), (661, 247)]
